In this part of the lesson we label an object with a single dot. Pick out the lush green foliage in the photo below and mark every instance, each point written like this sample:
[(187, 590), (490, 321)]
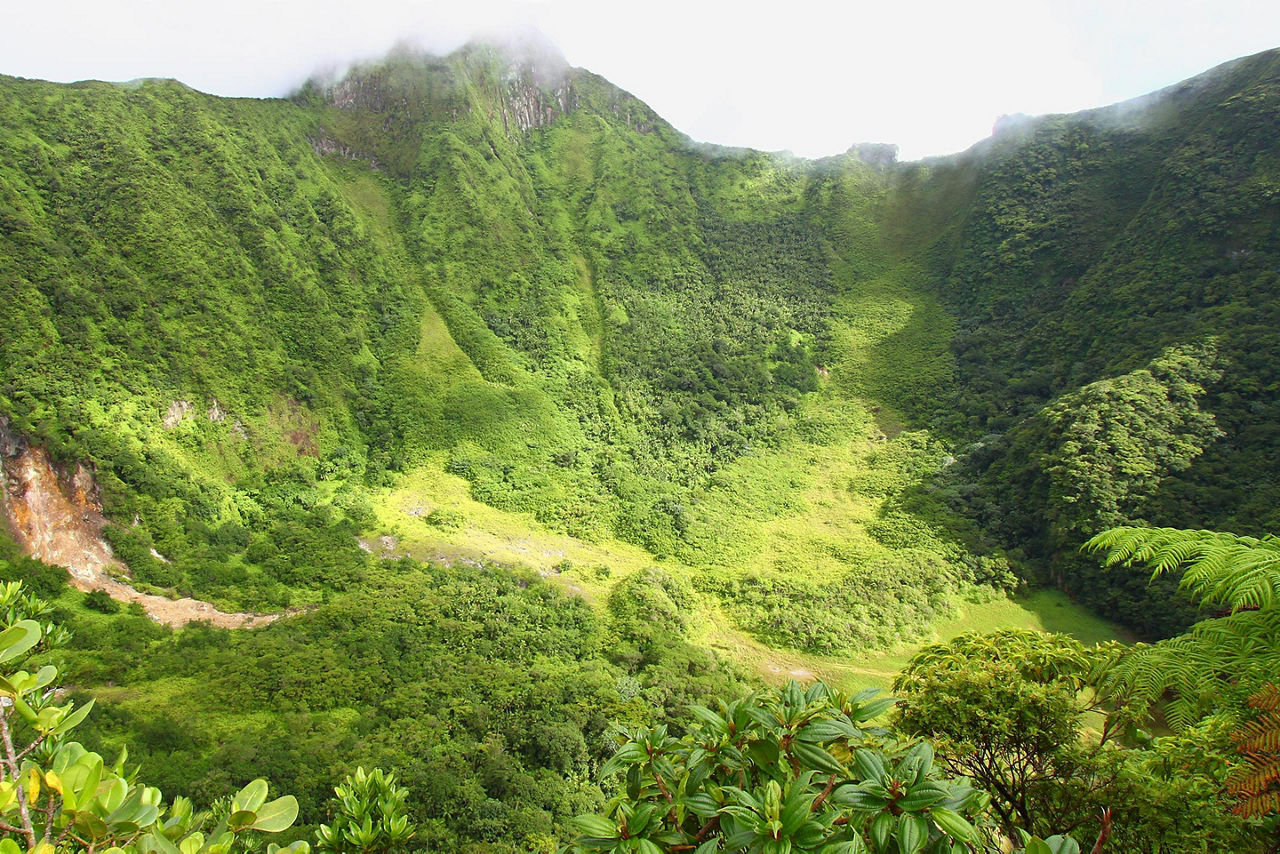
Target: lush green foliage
[(786, 770), (1209, 666), (57, 796), (247, 314), (1007, 711), (368, 816), (250, 317), (1089, 246), (824, 397), (1022, 716), (488, 694)]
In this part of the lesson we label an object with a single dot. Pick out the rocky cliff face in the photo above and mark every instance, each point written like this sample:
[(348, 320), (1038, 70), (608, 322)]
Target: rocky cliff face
[(526, 105), (524, 84), (53, 511)]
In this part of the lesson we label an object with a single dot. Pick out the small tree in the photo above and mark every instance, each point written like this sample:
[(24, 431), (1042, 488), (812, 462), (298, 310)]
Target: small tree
[(367, 816), (56, 795), (1019, 714), (1006, 710)]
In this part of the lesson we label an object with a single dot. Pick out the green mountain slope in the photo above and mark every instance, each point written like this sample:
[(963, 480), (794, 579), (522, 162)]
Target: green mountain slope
[(254, 317), (1087, 247), (491, 312), (264, 314)]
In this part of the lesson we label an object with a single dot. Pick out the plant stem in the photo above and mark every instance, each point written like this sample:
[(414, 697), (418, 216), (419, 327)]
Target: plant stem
[(11, 760)]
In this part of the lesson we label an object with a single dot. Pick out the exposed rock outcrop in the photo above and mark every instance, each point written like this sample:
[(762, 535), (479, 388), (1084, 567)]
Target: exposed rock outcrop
[(179, 411)]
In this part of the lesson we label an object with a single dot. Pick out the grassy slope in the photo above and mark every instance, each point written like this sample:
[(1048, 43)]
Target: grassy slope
[(813, 505), (1078, 249)]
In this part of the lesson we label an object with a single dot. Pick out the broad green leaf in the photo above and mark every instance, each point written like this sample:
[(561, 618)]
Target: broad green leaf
[(127, 807), (708, 717), (858, 798), (1061, 844), (113, 797), (251, 796), (954, 825), (870, 765), (594, 825), (73, 720), (160, 844), (641, 818), (79, 784), (882, 830), (920, 796), (45, 676), (90, 825), (796, 811), (915, 763), (873, 709), (814, 756), (851, 846), (28, 714), (278, 815), (628, 754), (827, 731), (701, 804), (241, 820), (299, 847), (913, 833), (19, 639)]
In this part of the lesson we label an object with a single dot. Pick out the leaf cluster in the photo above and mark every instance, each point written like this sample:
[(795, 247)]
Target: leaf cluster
[(784, 770)]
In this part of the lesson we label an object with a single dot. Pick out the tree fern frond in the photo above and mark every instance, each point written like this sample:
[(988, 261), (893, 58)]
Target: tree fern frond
[(1259, 806), (1172, 553), (1240, 572), (1260, 737), (1266, 698), (1244, 648), (1256, 782), (1255, 777), (1181, 713)]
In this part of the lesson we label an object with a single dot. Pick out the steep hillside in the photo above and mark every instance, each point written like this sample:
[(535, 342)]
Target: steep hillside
[(1081, 249), (265, 315), (256, 318), (541, 413)]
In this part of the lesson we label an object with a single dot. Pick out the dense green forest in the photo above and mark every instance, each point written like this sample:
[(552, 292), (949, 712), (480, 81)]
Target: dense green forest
[(538, 420)]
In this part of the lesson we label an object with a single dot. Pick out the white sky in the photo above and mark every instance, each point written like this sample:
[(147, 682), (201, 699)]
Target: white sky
[(812, 76)]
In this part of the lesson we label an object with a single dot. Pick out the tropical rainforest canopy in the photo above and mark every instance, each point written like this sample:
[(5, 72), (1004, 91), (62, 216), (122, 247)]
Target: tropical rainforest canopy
[(560, 444)]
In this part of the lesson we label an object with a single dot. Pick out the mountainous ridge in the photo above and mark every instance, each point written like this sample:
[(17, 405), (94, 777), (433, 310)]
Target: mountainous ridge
[(495, 152), (647, 420)]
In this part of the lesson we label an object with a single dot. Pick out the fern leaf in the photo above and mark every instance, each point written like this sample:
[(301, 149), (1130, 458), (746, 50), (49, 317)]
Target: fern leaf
[(1267, 698), (1241, 572), (1256, 782)]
